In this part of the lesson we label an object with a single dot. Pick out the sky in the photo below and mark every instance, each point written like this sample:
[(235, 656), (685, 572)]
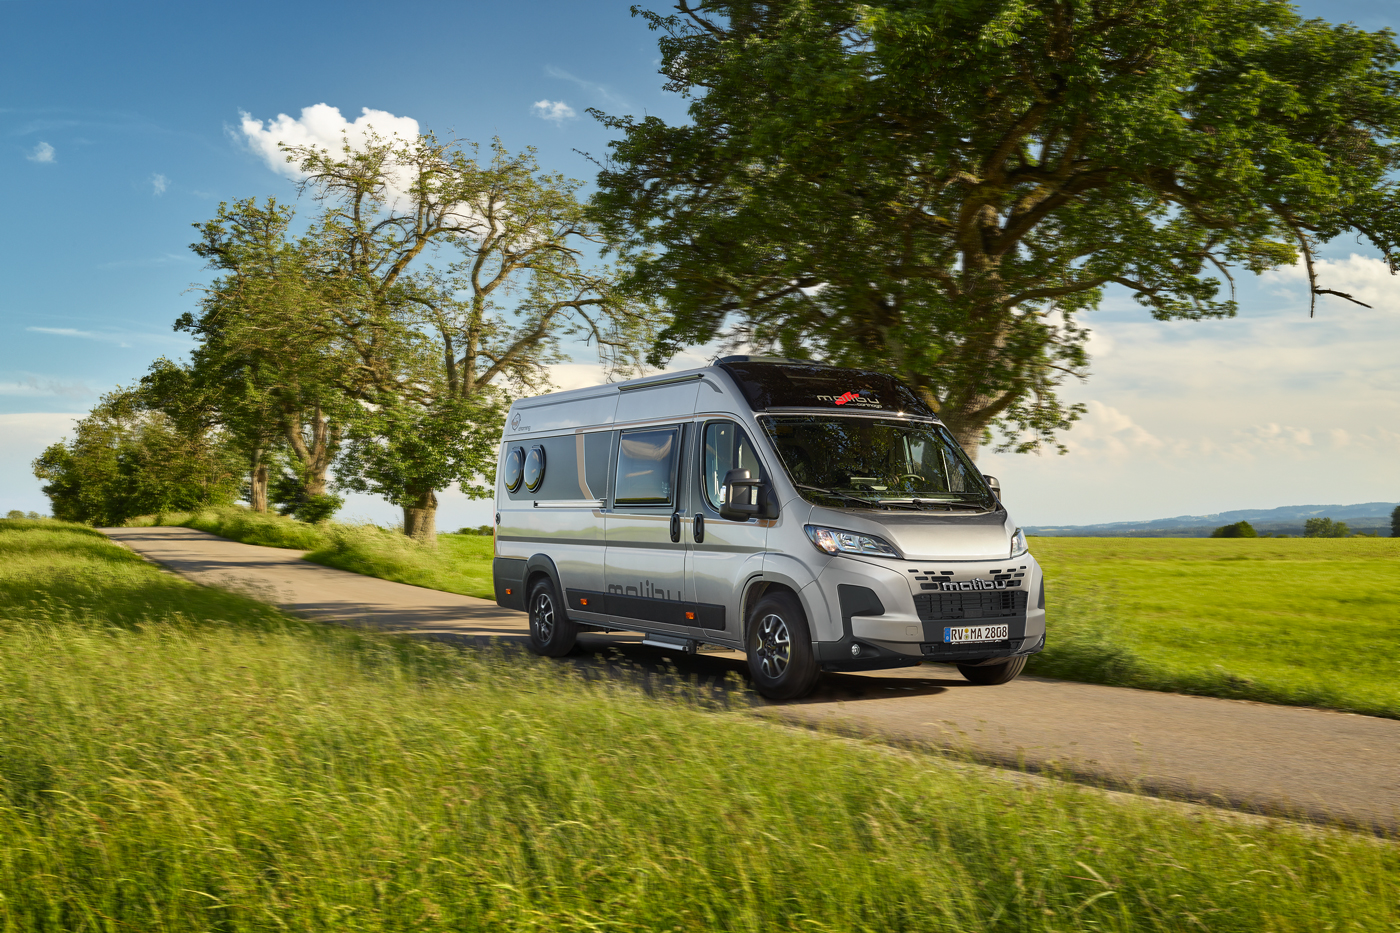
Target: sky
[(123, 124)]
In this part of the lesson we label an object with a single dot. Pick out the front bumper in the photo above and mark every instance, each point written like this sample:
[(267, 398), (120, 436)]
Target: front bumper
[(894, 613)]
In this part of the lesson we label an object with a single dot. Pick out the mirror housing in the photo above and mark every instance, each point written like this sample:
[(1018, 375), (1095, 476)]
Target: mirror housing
[(992, 482), (736, 511)]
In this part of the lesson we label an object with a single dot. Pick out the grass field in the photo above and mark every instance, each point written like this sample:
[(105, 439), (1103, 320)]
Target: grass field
[(175, 758), (1304, 621), (459, 564), (1299, 621)]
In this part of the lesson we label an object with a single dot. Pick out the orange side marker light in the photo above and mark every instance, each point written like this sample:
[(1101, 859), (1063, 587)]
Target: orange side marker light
[(690, 615)]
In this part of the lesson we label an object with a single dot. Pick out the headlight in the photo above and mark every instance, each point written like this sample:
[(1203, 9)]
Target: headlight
[(833, 541), (1018, 543)]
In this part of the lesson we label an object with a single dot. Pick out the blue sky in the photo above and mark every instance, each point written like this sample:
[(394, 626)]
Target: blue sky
[(120, 125)]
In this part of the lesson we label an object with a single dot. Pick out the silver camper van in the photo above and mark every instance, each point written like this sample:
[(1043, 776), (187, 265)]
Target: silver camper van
[(815, 518)]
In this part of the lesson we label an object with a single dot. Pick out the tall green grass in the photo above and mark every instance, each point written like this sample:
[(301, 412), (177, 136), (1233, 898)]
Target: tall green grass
[(1299, 621), (174, 758), (459, 563)]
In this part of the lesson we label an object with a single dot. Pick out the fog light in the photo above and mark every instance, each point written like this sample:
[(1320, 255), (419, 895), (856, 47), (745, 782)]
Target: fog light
[(855, 651)]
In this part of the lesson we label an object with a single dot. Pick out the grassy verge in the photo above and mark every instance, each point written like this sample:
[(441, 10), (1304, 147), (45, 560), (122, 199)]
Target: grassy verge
[(459, 564), (1301, 621), (1297, 621), (174, 758)]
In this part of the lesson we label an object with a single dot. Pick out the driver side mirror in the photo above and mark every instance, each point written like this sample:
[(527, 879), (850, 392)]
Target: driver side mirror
[(741, 505), (992, 482)]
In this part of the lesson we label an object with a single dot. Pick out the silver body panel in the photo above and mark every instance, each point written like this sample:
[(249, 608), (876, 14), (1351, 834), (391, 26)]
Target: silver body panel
[(602, 550)]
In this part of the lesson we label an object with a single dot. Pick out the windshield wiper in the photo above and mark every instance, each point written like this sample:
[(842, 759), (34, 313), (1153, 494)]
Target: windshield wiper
[(839, 495), (926, 505)]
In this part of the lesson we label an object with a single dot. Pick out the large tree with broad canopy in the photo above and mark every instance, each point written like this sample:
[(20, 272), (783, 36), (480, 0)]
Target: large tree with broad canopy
[(938, 188)]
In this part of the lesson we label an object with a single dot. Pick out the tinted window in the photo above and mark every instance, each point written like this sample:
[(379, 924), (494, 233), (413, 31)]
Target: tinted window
[(646, 467), (727, 448)]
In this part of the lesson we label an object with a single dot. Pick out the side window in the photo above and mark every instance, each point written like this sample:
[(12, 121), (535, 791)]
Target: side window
[(646, 467), (726, 448)]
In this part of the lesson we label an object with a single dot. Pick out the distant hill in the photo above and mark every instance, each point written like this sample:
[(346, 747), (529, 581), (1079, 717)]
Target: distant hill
[(1364, 516)]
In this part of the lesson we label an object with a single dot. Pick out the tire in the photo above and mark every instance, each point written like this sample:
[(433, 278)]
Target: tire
[(779, 649), (989, 675), (552, 634)]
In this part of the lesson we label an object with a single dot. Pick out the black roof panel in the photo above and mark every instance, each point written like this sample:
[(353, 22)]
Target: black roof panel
[(770, 383)]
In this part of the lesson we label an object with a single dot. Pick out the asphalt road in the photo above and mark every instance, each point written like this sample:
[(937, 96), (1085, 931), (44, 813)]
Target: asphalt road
[(1315, 764)]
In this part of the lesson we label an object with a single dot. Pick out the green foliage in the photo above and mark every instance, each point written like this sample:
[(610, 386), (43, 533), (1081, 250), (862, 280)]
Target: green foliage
[(403, 452), (436, 351), (1298, 621), (939, 189), (478, 530), (180, 759), (1237, 530), (1325, 528), (126, 459), (1395, 523), (455, 565)]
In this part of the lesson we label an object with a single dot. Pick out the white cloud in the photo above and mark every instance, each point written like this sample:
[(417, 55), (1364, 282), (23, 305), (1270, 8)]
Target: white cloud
[(1364, 278), (118, 339), (1107, 431), (322, 126), (600, 92), (159, 183), (42, 153), (26, 435), (42, 387), (555, 110)]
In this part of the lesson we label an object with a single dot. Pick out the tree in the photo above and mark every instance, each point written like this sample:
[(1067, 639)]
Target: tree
[(431, 354), (938, 189), (1325, 528), (1237, 530), (128, 459), (271, 365), (1395, 522)]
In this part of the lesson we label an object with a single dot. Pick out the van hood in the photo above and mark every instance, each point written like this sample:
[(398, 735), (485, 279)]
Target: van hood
[(929, 535)]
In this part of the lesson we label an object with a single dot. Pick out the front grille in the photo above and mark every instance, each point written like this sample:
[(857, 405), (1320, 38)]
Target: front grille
[(946, 607)]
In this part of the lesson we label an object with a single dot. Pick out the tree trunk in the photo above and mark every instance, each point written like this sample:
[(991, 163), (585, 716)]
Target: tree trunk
[(970, 440), (420, 519), (258, 497)]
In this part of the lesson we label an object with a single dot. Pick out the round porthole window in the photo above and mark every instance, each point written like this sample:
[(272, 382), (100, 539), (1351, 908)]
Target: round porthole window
[(515, 468), (534, 468)]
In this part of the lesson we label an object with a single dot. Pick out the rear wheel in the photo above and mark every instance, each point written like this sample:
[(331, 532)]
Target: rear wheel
[(779, 648), (989, 675), (551, 632)]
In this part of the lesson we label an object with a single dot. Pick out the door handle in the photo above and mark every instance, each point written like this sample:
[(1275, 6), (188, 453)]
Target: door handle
[(675, 526), (699, 528)]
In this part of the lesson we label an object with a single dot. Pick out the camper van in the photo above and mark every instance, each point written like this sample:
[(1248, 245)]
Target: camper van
[(815, 518)]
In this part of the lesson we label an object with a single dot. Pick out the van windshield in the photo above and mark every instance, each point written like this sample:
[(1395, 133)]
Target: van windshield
[(878, 463)]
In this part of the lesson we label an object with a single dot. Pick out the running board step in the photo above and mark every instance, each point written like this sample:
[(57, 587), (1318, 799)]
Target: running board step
[(674, 642)]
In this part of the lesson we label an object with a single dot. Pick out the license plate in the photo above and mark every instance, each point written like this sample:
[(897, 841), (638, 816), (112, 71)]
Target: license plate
[(956, 636)]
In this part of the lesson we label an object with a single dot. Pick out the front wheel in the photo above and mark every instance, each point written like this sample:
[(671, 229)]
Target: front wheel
[(989, 675), (552, 634), (779, 648)]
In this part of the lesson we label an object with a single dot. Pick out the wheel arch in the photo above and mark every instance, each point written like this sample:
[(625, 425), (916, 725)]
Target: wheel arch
[(542, 565)]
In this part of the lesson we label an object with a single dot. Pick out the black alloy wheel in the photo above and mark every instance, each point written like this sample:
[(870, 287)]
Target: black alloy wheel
[(779, 648), (552, 633)]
